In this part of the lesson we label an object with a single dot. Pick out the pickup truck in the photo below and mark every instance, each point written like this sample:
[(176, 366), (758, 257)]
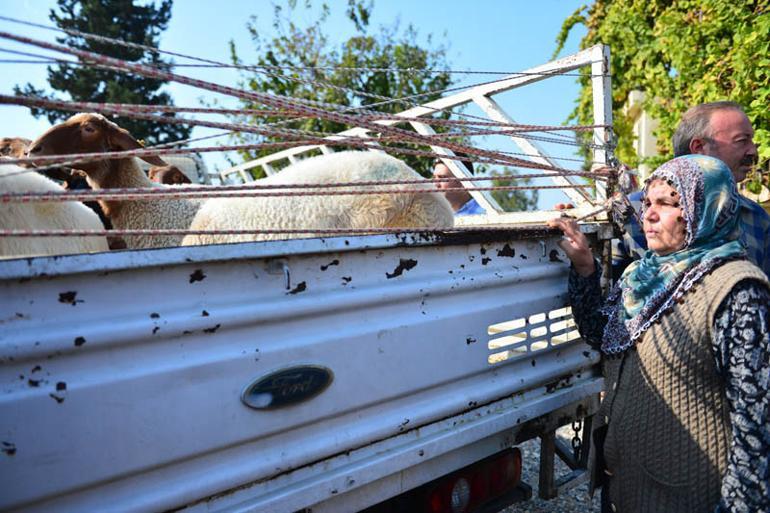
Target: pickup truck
[(379, 372), (329, 374)]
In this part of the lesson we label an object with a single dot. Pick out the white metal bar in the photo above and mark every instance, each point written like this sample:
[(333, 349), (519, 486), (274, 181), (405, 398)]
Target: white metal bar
[(495, 112), (268, 169), (529, 76), (602, 99), (484, 198)]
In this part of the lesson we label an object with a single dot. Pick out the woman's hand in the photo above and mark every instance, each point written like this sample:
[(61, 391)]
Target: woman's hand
[(575, 245)]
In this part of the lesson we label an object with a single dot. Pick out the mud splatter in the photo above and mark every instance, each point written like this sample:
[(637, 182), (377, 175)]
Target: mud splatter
[(507, 251), (197, 275), (69, 298), (8, 448), (301, 287), (403, 265), (213, 329), (333, 262)]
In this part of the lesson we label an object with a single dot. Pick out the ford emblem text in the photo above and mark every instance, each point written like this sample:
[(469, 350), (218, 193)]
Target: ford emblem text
[(287, 387)]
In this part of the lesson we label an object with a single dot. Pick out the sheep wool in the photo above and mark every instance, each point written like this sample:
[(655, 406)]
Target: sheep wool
[(157, 214), (326, 212), (53, 215)]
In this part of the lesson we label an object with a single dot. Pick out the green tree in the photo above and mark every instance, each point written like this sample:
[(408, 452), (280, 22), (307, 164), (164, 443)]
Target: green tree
[(365, 70), (125, 21), (515, 200), (681, 53), (302, 62)]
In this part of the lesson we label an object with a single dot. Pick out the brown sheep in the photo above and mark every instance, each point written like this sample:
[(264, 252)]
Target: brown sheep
[(93, 133), (169, 175), (15, 147)]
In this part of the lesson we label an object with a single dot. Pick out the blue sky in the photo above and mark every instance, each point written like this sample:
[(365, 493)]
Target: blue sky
[(484, 35)]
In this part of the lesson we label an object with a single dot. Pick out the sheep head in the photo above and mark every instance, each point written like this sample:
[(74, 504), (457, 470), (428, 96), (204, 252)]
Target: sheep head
[(15, 147), (170, 175), (88, 133)]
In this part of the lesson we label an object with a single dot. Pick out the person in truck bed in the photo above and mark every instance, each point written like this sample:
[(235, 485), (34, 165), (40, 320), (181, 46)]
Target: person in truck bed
[(460, 199)]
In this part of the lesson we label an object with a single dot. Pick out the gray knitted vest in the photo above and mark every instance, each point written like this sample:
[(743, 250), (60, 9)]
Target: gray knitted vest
[(669, 429)]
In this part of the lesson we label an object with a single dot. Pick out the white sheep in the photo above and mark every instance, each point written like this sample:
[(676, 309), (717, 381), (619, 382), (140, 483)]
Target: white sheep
[(89, 133), (327, 212), (58, 215)]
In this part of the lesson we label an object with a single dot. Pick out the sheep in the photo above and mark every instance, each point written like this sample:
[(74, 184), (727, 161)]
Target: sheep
[(169, 175), (90, 132), (87, 132), (69, 215), (14, 147), (326, 212)]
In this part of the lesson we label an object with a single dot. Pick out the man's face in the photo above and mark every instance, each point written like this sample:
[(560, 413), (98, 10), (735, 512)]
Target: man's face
[(732, 142), (453, 189)]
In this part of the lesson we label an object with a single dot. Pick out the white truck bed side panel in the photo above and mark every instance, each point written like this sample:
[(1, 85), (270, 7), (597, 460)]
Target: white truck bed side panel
[(120, 386)]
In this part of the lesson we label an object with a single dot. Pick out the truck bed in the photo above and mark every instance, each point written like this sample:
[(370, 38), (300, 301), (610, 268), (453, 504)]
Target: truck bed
[(126, 376)]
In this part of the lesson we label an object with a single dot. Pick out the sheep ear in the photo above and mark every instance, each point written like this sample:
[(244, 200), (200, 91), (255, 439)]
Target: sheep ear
[(120, 139)]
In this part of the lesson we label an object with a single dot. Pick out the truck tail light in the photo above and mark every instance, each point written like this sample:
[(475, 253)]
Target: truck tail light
[(503, 471), (461, 496), (475, 485)]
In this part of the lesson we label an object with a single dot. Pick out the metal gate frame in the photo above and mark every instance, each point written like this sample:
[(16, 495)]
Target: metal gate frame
[(598, 57)]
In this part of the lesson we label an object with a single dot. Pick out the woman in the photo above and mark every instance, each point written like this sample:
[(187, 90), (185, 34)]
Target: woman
[(684, 335)]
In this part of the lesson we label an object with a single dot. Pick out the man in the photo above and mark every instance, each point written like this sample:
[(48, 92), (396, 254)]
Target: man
[(460, 199), (722, 130)]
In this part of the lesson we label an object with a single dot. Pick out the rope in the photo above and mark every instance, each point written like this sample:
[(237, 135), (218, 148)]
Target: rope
[(130, 108), (194, 193), (309, 231), (75, 159), (267, 99), (118, 42), (256, 69), (38, 101), (139, 111)]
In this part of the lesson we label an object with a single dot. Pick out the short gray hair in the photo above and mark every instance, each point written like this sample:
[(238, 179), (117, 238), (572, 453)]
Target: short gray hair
[(695, 124)]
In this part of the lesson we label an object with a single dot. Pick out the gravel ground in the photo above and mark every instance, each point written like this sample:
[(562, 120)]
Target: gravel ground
[(573, 501)]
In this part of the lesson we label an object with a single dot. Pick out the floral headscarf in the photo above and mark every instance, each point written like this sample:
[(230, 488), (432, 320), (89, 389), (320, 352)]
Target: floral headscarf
[(651, 286)]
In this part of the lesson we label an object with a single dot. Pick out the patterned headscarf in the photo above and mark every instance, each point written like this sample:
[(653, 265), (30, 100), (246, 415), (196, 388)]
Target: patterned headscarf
[(651, 286)]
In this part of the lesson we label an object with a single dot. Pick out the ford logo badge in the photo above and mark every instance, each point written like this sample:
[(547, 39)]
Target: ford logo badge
[(287, 387)]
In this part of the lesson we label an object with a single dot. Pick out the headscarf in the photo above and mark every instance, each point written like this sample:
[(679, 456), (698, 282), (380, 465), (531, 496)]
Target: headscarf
[(651, 286)]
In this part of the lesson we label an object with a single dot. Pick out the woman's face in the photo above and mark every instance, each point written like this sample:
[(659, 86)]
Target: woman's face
[(663, 223)]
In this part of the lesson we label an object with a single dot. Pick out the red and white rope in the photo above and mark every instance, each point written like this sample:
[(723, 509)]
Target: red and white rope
[(194, 193), (310, 231), (130, 108), (266, 99)]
